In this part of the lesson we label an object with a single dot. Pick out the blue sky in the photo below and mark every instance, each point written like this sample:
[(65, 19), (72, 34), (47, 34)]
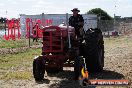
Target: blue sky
[(15, 7)]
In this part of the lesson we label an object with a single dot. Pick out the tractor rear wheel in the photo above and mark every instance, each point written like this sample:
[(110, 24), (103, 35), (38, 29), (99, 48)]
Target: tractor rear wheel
[(100, 60), (38, 69), (95, 60), (94, 50)]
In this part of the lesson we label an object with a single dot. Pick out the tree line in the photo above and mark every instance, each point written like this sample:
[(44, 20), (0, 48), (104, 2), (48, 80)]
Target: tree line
[(100, 13)]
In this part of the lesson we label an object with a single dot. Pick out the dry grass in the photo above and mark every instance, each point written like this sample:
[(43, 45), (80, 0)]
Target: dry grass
[(17, 75), (17, 43), (17, 66)]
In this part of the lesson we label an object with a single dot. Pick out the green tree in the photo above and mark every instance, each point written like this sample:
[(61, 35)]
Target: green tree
[(101, 13)]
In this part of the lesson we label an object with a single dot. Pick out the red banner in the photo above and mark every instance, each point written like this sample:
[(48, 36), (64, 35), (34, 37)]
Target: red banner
[(35, 27), (32, 26), (12, 25)]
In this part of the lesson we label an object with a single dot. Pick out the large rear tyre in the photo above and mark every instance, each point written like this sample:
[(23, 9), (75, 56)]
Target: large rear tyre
[(38, 69), (95, 62), (94, 51), (99, 61)]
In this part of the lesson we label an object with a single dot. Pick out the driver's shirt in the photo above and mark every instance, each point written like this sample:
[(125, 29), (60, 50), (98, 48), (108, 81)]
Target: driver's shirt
[(73, 21)]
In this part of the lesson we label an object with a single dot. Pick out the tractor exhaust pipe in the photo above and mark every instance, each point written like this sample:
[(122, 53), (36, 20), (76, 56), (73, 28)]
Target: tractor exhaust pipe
[(69, 40)]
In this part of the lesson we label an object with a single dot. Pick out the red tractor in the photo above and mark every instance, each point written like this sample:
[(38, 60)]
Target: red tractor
[(61, 49)]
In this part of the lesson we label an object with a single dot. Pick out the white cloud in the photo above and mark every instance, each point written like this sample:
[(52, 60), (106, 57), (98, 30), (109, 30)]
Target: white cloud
[(41, 3), (15, 7), (28, 0), (14, 2), (2, 4)]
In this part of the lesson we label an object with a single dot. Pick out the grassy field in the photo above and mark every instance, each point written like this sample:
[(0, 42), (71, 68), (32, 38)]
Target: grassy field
[(11, 43), (17, 66), (17, 43), (119, 41)]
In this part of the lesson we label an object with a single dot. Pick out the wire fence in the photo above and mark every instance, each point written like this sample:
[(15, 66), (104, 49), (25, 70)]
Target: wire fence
[(115, 28)]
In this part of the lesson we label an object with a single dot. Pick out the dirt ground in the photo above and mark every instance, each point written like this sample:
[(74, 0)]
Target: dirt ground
[(118, 65)]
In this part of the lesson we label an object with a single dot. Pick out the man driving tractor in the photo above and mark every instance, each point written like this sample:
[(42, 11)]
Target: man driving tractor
[(77, 22), (61, 49)]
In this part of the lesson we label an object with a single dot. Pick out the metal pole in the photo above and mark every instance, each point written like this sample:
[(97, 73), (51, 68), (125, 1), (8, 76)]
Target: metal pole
[(42, 19), (98, 22), (5, 22), (29, 34), (5, 26), (114, 21), (69, 40)]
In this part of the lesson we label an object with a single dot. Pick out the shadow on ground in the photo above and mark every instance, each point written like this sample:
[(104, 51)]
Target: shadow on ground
[(46, 81), (68, 81), (106, 74)]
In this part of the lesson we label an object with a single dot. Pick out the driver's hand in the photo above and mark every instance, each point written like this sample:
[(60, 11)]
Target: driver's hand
[(80, 23)]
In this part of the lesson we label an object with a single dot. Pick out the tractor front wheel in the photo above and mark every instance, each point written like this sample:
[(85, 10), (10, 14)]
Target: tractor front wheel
[(38, 69)]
